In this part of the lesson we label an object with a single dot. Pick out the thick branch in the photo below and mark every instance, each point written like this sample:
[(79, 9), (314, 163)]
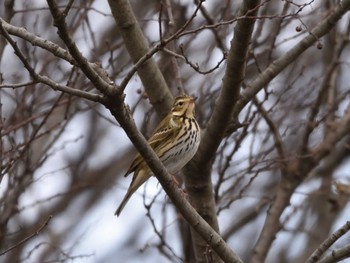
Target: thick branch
[(337, 255), (137, 46), (328, 242), (229, 95), (197, 173)]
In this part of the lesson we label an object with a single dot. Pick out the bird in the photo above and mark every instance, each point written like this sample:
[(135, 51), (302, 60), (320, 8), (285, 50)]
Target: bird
[(175, 141)]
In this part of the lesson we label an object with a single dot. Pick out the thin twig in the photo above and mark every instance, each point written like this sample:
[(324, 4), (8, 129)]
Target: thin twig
[(157, 48), (99, 80), (28, 237), (275, 132), (43, 79)]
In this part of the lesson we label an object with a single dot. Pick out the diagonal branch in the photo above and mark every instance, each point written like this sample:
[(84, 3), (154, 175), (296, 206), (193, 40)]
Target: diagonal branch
[(53, 48), (43, 79), (114, 102), (337, 255), (36, 233), (122, 114), (100, 82), (137, 46), (315, 257), (233, 77), (282, 62), (198, 171), (297, 172), (275, 132), (45, 44)]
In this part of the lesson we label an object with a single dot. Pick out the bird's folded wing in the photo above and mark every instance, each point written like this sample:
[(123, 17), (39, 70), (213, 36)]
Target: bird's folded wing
[(162, 135)]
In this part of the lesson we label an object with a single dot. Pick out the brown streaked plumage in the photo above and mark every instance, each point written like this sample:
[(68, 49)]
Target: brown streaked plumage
[(175, 141)]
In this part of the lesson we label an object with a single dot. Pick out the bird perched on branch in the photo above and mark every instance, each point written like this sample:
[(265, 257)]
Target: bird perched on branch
[(175, 141)]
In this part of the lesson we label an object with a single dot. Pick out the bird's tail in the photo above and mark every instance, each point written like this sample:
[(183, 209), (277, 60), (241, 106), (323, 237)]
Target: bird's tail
[(123, 203), (138, 179)]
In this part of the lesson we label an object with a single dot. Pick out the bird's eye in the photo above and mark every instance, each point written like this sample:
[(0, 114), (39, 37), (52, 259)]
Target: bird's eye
[(180, 103)]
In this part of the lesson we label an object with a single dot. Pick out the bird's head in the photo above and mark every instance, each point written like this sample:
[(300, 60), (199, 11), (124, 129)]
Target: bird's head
[(183, 106)]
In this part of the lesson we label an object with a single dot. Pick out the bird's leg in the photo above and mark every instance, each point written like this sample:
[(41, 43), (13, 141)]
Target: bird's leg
[(184, 193), (176, 183)]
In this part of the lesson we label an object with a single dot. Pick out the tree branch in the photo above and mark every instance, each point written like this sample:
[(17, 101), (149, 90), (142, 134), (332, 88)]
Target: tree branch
[(198, 171), (122, 113), (29, 237), (229, 94), (137, 46), (47, 45), (100, 81), (53, 48), (283, 61), (316, 255), (337, 255), (43, 79), (296, 173)]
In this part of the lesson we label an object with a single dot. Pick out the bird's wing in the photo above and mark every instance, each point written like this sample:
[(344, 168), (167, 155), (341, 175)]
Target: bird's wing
[(161, 135), (164, 132)]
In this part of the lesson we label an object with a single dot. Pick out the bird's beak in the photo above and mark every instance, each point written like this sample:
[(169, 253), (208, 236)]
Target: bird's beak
[(194, 99)]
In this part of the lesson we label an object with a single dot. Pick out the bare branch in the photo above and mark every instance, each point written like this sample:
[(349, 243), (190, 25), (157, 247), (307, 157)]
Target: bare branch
[(283, 171), (276, 135), (44, 79), (337, 255), (231, 87), (53, 48), (315, 257), (106, 87), (283, 61), (197, 172), (121, 113), (37, 232), (138, 49)]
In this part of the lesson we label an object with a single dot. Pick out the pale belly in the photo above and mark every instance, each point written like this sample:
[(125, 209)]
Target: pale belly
[(182, 154)]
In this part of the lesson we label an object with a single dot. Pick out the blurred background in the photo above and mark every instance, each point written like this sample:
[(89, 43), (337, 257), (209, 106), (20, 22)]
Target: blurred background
[(63, 157)]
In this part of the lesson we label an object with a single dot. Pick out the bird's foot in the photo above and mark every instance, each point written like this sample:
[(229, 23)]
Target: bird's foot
[(175, 181)]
